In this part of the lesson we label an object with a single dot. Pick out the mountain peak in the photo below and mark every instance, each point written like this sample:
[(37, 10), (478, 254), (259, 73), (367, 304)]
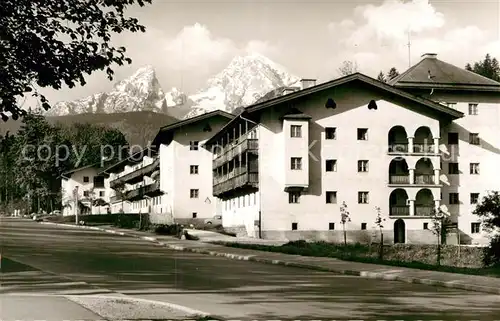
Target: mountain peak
[(245, 80)]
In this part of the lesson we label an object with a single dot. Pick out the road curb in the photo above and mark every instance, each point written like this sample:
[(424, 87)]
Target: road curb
[(255, 258)]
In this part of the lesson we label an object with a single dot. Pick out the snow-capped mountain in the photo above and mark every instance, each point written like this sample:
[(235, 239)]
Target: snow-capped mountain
[(242, 83), (139, 92)]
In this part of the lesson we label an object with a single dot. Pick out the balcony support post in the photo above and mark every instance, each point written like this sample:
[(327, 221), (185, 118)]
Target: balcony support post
[(412, 207), (437, 204), (410, 144), (436, 145), (436, 176), (412, 175)]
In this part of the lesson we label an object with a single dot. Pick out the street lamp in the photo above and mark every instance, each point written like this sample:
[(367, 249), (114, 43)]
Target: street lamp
[(75, 197)]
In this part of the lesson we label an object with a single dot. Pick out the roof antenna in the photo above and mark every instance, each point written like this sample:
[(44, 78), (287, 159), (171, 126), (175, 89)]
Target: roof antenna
[(409, 47)]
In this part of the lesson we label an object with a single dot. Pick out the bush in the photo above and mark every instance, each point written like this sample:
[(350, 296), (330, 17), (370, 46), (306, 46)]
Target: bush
[(492, 253), (164, 229)]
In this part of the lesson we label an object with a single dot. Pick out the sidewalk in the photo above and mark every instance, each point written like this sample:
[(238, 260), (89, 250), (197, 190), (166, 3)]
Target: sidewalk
[(373, 271)]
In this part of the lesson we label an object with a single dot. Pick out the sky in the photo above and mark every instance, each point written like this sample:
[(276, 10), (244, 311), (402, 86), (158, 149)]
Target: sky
[(188, 41)]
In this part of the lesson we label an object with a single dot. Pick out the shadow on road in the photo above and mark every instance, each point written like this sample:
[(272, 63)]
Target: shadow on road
[(10, 266), (255, 290)]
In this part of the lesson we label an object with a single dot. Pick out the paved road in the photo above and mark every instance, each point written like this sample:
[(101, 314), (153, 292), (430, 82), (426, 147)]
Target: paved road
[(233, 289)]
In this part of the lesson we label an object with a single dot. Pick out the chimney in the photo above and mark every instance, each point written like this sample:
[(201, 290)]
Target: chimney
[(306, 83), (288, 90), (429, 55)]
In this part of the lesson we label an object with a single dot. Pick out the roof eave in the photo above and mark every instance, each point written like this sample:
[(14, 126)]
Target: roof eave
[(416, 85)]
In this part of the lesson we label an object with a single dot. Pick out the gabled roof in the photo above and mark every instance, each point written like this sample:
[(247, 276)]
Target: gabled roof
[(442, 109), (190, 121), (431, 72), (67, 174), (446, 111)]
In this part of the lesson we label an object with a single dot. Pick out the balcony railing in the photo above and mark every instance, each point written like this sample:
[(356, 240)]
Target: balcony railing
[(424, 179), (139, 193), (232, 150), (399, 179), (115, 198), (399, 210), (423, 148), (136, 175), (423, 210), (398, 148), (227, 183)]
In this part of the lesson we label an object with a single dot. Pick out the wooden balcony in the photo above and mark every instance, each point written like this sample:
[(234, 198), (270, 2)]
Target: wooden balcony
[(115, 198), (419, 179), (399, 210), (232, 182), (230, 151), (150, 190), (137, 175)]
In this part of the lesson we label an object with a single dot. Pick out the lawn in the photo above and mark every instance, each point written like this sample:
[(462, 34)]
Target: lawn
[(464, 260)]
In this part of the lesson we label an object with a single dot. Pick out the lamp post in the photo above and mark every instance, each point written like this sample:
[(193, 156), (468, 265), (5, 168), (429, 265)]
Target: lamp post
[(75, 197)]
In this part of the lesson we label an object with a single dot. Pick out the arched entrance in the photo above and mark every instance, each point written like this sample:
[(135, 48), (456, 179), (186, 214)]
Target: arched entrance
[(399, 231)]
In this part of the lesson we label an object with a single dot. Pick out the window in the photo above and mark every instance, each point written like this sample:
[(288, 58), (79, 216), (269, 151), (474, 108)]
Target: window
[(86, 179), (295, 131), (474, 168), (331, 197), (453, 199), (293, 197), (363, 226), (193, 169), (474, 197), (194, 193), (330, 132), (195, 215), (453, 168), (193, 145), (331, 165), (86, 193), (362, 197), (453, 138), (296, 163), (473, 110), (101, 194), (362, 166), (331, 226), (426, 226), (295, 226), (99, 181), (362, 133), (474, 139), (475, 227)]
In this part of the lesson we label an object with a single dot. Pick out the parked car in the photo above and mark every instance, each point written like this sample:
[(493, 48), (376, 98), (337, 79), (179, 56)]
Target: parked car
[(216, 220)]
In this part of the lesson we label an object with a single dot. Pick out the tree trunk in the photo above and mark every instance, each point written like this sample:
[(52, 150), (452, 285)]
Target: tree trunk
[(345, 236), (381, 253)]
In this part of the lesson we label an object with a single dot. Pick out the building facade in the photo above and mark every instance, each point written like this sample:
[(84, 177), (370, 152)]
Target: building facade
[(172, 178), (469, 146), (283, 168), (85, 190)]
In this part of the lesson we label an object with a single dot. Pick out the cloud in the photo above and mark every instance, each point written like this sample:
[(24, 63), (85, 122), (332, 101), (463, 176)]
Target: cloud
[(262, 47), (379, 38), (195, 46)]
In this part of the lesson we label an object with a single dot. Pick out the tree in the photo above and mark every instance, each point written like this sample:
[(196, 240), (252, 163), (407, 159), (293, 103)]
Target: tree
[(488, 68), (379, 222), (344, 219), (440, 222), (381, 77), (393, 73), (489, 212), (45, 43), (347, 68)]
